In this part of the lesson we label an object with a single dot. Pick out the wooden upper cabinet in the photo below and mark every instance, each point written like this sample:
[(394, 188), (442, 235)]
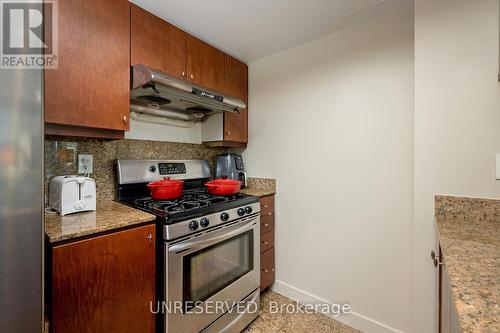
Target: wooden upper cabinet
[(236, 84), (156, 43), (205, 64), (105, 284), (91, 87)]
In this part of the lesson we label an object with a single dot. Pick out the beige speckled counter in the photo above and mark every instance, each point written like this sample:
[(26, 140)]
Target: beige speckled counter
[(108, 216), (257, 192), (469, 234), (260, 187)]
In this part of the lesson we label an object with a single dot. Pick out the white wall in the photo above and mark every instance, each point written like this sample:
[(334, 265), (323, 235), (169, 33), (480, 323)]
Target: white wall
[(158, 132), (332, 121), (457, 120)]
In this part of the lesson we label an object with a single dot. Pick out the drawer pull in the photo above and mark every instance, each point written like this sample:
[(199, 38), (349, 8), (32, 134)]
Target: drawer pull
[(266, 224), (267, 271), (270, 213), (266, 243), (266, 206)]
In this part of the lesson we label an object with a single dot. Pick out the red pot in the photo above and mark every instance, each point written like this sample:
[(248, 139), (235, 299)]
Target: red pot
[(223, 186), (166, 189)]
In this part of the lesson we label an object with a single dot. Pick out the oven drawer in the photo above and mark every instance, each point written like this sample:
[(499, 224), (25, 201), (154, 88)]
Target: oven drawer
[(266, 268), (267, 205), (266, 224), (266, 241)]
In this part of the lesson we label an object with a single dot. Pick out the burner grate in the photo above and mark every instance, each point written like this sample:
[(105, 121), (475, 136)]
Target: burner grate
[(191, 200)]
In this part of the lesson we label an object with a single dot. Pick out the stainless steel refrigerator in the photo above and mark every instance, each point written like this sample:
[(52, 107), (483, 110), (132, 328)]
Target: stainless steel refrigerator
[(21, 193)]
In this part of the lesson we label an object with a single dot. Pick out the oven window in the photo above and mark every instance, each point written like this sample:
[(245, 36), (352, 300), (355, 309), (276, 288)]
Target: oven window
[(211, 269)]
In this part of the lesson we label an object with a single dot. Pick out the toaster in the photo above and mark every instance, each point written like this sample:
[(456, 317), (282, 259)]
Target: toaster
[(72, 194)]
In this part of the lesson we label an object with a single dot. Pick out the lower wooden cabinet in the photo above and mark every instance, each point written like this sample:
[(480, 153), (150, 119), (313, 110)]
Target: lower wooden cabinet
[(267, 267), (448, 319), (105, 283)]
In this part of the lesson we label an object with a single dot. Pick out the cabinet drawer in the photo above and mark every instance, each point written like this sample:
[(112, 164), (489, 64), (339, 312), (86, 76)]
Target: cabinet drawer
[(267, 205), (266, 241), (266, 268), (266, 224)]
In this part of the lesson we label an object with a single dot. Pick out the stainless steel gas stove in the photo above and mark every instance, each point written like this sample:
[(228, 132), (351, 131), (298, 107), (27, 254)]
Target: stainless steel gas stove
[(209, 258)]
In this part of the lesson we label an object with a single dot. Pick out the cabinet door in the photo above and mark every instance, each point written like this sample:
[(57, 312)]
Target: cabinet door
[(236, 84), (156, 43), (266, 268), (105, 284), (205, 64), (91, 87)]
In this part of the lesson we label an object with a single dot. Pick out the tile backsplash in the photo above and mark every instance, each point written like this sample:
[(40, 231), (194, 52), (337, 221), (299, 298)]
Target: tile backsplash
[(58, 160)]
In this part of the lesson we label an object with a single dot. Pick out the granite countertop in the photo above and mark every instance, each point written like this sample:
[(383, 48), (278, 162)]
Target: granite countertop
[(108, 216), (469, 235), (257, 192), (260, 187)]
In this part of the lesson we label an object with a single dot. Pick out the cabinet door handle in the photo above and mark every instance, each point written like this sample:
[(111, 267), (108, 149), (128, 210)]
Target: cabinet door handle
[(270, 213), (437, 262), (266, 243), (183, 74), (150, 238), (124, 119), (266, 224), (266, 206), (191, 77), (228, 133)]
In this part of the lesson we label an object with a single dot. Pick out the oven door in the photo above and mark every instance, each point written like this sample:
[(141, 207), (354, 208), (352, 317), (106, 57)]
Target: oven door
[(207, 273)]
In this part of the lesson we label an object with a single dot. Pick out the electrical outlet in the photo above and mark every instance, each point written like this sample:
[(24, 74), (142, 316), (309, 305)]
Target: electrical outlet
[(85, 163), (498, 167)]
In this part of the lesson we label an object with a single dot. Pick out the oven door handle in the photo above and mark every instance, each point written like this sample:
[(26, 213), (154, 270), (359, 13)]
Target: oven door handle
[(207, 242)]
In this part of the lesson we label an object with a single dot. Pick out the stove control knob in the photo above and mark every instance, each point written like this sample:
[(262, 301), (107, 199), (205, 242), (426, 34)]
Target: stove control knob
[(204, 222), (248, 209), (152, 168), (241, 211), (224, 216), (193, 225)]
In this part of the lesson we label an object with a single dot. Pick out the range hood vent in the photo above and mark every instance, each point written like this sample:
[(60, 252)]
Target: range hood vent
[(159, 94)]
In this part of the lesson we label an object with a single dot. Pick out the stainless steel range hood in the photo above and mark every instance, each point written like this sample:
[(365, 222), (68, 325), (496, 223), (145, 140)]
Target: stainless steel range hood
[(158, 94)]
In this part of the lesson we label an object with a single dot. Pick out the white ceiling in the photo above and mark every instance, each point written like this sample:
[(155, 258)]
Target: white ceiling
[(253, 29)]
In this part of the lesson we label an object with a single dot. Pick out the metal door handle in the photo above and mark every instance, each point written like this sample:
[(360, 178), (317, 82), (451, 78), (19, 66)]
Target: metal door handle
[(187, 245), (150, 238), (437, 262)]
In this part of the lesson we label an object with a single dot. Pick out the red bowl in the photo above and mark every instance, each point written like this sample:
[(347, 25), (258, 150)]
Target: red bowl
[(166, 189), (223, 186)]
